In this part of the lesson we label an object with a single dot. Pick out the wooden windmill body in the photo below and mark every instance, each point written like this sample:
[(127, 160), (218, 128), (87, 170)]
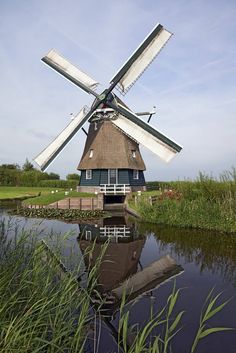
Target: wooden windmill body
[(111, 162), (110, 158)]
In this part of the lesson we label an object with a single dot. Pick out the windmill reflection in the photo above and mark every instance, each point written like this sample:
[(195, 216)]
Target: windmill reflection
[(120, 269)]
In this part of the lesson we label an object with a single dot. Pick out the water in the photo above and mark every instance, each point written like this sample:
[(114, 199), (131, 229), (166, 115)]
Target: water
[(203, 260)]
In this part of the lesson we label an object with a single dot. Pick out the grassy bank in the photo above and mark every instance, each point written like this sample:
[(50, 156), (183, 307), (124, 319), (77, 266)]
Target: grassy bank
[(205, 203)]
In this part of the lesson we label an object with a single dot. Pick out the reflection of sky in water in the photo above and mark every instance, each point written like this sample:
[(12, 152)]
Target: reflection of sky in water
[(208, 259)]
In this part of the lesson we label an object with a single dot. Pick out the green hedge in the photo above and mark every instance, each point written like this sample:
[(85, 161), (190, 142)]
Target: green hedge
[(66, 184), (17, 177)]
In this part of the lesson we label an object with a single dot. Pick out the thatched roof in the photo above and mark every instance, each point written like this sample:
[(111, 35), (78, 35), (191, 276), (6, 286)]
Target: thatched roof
[(112, 149), (119, 262)]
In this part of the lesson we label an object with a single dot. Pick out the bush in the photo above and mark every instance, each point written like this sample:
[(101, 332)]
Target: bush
[(73, 176), (10, 177), (66, 184)]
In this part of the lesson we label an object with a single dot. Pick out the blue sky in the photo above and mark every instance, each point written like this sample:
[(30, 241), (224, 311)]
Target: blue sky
[(192, 82)]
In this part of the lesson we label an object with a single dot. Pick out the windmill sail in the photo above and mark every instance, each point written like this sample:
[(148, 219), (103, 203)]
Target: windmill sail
[(144, 133), (147, 279), (55, 147), (141, 58), (71, 72), (158, 143)]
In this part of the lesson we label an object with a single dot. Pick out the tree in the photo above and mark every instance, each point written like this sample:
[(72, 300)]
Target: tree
[(73, 176), (53, 176), (27, 166), (10, 166)]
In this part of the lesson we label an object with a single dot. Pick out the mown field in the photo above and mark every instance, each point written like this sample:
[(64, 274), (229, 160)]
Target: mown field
[(40, 195), (14, 192)]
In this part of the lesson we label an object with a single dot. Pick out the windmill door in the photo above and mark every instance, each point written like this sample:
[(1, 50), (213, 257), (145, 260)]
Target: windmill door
[(112, 176)]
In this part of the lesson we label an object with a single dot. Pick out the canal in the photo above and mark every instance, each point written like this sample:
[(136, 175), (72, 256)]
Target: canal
[(155, 258)]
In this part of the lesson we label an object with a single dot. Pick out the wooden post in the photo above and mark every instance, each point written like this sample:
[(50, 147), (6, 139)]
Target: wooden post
[(92, 203), (135, 200), (69, 203), (80, 204), (150, 200)]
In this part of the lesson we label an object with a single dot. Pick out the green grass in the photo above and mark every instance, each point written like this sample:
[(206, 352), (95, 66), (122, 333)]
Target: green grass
[(14, 192), (148, 193), (40, 311), (49, 198), (144, 197), (199, 214), (46, 197), (205, 203)]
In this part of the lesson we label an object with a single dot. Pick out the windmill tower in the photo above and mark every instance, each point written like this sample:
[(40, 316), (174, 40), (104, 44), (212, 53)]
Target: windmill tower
[(111, 162)]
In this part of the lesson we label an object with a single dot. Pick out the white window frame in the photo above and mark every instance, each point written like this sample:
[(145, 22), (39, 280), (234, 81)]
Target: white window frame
[(91, 153), (109, 176), (88, 174), (133, 153), (95, 125), (135, 174)]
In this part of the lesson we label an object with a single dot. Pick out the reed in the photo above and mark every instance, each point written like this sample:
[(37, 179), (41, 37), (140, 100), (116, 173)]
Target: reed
[(39, 310), (156, 335), (206, 203)]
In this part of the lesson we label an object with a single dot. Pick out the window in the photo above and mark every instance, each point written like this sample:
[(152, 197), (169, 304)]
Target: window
[(133, 153), (95, 125), (91, 153), (135, 174), (112, 176), (88, 235), (89, 174)]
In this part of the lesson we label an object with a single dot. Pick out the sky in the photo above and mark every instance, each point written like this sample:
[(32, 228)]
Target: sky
[(192, 82)]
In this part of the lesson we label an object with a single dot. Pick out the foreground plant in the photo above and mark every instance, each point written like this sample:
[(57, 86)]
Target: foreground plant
[(157, 334), (40, 311), (211, 310)]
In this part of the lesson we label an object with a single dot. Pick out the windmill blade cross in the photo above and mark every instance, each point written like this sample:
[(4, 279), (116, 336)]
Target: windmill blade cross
[(140, 59), (71, 72), (56, 146)]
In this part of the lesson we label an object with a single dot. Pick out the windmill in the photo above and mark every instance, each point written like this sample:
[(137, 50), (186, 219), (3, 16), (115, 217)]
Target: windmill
[(111, 162)]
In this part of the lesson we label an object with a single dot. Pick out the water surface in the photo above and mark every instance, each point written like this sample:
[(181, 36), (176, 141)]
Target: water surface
[(204, 260)]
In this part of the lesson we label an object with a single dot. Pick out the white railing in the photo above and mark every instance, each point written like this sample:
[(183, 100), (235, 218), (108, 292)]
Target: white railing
[(115, 232), (115, 189)]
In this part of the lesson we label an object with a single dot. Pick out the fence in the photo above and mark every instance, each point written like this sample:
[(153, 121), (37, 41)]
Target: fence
[(78, 203), (149, 199), (115, 189)]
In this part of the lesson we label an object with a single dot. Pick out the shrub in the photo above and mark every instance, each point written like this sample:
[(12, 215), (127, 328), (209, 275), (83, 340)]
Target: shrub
[(66, 184)]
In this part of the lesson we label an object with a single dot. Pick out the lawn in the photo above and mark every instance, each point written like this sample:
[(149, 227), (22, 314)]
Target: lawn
[(46, 196), (14, 192)]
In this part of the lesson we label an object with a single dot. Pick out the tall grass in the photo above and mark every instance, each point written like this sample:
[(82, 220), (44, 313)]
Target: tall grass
[(156, 335), (206, 203), (40, 311)]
